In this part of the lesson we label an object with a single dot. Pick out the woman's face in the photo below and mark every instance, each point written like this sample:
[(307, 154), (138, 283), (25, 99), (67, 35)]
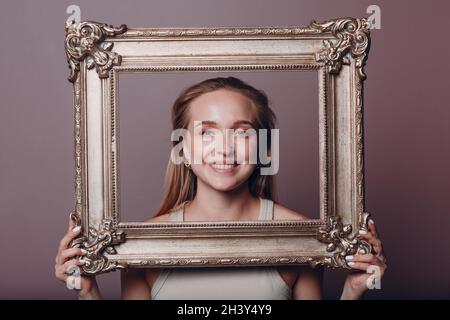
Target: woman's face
[(222, 150)]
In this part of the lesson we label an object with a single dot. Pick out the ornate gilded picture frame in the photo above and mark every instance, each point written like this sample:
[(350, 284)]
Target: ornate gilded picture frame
[(97, 53)]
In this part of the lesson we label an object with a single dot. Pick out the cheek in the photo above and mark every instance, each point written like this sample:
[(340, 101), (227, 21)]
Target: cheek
[(201, 149), (247, 169), (246, 150), (208, 149)]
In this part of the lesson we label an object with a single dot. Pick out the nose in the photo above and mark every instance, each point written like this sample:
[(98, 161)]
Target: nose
[(226, 149)]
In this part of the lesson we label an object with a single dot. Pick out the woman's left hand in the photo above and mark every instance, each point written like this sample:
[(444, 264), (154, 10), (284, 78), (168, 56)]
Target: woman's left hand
[(356, 281)]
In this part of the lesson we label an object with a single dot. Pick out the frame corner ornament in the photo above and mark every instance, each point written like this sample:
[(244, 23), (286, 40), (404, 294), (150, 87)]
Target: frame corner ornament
[(85, 40), (341, 240), (353, 37), (96, 244)]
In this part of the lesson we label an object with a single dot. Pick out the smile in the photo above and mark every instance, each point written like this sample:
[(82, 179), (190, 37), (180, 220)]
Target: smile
[(223, 168)]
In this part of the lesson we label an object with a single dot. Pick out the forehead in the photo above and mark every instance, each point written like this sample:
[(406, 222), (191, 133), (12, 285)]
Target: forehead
[(222, 106)]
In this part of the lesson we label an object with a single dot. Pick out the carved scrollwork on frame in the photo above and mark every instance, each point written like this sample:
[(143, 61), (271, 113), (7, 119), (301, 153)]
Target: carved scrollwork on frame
[(352, 37), (84, 40), (96, 244), (342, 242), (224, 261), (76, 215), (220, 32)]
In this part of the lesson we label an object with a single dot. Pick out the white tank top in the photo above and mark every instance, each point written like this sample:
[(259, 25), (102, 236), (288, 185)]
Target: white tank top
[(216, 283)]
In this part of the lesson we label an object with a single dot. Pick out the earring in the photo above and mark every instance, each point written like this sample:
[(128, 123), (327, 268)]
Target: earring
[(187, 164)]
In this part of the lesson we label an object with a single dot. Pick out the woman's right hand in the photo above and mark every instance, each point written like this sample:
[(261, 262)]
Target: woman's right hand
[(66, 260)]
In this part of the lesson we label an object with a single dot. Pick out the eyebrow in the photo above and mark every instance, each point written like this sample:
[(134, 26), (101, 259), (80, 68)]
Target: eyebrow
[(209, 122)]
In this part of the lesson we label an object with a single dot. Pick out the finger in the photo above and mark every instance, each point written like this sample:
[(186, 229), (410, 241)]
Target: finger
[(359, 265), (374, 241), (369, 237), (68, 265), (58, 259), (369, 258), (373, 228), (377, 247), (68, 237), (72, 252), (382, 258), (71, 224), (60, 273), (366, 235)]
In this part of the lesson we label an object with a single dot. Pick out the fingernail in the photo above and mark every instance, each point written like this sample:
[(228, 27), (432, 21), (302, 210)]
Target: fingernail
[(83, 251), (371, 221), (349, 258), (76, 229), (82, 261), (351, 264), (362, 231)]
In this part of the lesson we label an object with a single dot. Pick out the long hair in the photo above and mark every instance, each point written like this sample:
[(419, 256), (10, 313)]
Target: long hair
[(180, 181)]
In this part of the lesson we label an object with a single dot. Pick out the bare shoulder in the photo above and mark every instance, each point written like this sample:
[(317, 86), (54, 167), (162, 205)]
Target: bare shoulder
[(282, 213), (161, 218), (151, 275)]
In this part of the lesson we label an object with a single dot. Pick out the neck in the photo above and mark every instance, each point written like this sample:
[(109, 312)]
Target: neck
[(213, 205)]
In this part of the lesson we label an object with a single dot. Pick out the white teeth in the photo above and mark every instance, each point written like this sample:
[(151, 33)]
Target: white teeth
[(222, 166)]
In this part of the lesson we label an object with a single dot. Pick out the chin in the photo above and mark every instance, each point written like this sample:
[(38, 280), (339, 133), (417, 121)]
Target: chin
[(223, 185)]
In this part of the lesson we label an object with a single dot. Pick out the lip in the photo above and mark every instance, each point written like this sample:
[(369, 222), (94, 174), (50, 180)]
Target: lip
[(224, 170)]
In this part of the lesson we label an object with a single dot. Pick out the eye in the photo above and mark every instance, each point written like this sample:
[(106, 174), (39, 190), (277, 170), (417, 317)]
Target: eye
[(208, 132), (240, 132)]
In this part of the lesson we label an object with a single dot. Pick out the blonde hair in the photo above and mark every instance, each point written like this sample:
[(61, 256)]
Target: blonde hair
[(180, 181)]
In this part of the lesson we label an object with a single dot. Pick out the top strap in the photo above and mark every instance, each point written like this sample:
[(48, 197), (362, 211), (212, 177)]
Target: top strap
[(176, 214), (265, 211)]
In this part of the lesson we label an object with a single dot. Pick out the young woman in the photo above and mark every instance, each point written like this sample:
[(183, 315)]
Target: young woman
[(214, 182)]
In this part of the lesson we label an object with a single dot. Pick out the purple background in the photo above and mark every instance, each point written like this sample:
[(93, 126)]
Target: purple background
[(406, 114), (145, 129)]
